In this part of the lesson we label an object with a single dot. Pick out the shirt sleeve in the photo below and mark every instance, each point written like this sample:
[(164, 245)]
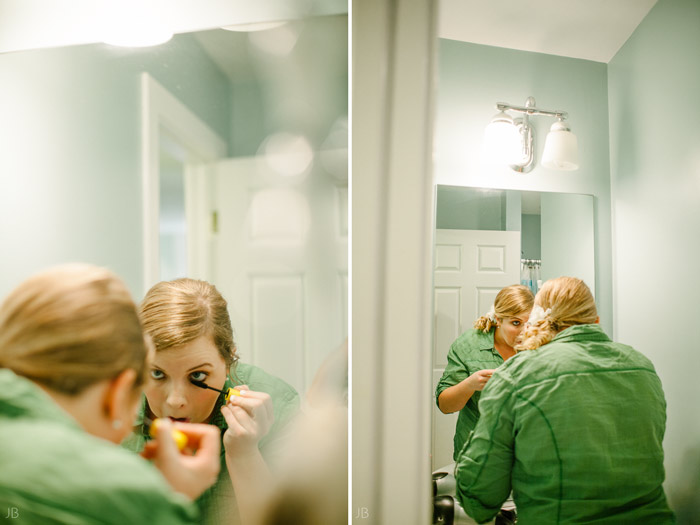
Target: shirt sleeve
[(455, 372), (483, 467)]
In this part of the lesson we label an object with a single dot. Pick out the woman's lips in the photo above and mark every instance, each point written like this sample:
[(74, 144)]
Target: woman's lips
[(180, 419)]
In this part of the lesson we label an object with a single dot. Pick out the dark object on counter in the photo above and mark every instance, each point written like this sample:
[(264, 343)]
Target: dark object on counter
[(444, 508), (506, 517), (448, 511)]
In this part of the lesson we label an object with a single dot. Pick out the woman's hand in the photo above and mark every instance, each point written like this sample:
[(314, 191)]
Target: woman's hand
[(454, 398), (478, 380), (249, 418), (196, 468)]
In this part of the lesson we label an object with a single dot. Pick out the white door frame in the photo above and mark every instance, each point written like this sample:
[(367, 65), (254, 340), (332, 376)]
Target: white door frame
[(392, 245), (161, 110)]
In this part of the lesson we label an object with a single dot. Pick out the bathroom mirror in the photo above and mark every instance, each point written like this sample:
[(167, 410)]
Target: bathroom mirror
[(485, 240), (252, 195)]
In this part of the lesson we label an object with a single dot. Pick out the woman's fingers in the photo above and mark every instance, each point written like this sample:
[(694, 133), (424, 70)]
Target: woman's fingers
[(254, 402), (149, 450), (238, 420), (166, 446), (189, 473), (249, 404)]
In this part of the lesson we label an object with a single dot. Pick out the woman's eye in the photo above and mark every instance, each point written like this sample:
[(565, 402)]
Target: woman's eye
[(199, 376), (157, 374), (516, 323)]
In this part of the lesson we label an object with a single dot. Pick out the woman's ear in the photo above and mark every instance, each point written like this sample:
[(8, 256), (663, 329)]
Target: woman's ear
[(120, 402)]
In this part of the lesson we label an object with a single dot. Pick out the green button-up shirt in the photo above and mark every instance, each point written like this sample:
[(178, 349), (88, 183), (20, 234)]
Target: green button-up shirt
[(53, 472), (472, 351), (218, 503), (575, 429)]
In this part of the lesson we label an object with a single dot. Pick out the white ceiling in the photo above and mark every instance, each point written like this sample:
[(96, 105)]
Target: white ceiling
[(588, 29), (35, 24)]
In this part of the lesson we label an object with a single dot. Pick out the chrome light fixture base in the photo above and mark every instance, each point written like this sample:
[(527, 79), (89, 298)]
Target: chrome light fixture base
[(527, 138), (561, 150)]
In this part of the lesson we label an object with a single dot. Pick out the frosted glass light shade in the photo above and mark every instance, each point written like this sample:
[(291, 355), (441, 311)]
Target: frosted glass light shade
[(502, 141), (560, 149), (135, 23)]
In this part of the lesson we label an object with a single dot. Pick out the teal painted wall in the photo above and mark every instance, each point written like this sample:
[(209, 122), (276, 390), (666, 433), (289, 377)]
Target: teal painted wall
[(461, 208), (654, 83), (70, 129), (303, 90), (531, 237), (248, 129), (473, 78), (70, 168), (567, 236)]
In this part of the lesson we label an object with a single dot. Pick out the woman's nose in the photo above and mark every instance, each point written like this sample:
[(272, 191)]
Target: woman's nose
[(176, 398)]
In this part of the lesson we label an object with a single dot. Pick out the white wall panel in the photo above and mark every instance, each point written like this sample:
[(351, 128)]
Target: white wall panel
[(446, 325), (448, 257), (491, 258)]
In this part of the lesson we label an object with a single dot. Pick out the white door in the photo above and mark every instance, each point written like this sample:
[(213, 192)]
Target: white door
[(471, 266), (276, 248)]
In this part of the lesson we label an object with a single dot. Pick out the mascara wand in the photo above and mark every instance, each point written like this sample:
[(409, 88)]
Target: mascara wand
[(229, 393)]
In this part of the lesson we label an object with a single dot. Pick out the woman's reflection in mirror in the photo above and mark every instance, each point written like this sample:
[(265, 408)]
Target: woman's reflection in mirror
[(475, 354), (189, 324)]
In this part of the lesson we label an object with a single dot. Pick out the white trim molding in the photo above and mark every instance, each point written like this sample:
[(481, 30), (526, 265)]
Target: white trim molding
[(392, 245), (161, 111)]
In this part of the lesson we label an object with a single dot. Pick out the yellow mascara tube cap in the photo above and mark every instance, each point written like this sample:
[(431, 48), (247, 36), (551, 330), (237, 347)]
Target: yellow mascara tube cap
[(179, 437), (232, 392)]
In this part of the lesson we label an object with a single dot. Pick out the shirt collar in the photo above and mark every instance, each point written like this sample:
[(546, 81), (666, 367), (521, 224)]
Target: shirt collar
[(20, 397), (588, 332), (485, 340)]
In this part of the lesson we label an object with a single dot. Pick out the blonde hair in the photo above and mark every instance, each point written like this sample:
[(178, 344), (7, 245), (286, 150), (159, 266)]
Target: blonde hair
[(70, 327), (570, 303), (177, 312), (511, 301)]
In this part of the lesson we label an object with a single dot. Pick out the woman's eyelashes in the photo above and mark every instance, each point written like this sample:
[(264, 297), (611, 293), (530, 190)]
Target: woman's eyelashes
[(196, 376), (199, 376)]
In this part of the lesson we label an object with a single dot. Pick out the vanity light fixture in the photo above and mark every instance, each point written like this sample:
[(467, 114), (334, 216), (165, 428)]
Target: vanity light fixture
[(135, 23), (512, 140)]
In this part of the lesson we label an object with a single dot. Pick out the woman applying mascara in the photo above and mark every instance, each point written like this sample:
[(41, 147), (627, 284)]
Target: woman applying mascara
[(195, 365)]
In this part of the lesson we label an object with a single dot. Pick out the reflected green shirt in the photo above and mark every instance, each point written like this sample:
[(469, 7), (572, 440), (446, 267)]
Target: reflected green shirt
[(54, 472), (472, 351), (575, 429), (218, 504)]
